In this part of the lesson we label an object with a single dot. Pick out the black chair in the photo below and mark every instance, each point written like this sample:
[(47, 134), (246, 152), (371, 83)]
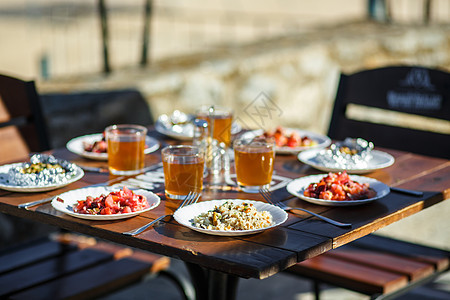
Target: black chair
[(74, 114), (21, 126), (383, 267), (22, 131), (415, 91)]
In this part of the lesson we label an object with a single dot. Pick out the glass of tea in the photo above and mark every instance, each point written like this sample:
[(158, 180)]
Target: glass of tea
[(222, 119), (126, 144), (254, 160), (183, 170)]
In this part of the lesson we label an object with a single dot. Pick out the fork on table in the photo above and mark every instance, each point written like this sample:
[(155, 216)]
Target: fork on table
[(191, 198), (267, 196)]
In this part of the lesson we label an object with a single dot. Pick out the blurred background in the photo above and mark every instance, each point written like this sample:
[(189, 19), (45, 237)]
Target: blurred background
[(55, 38), (182, 54)]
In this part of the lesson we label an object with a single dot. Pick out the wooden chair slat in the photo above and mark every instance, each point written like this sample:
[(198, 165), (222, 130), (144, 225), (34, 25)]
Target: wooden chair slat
[(67, 266), (89, 283), (415, 270), (375, 265), (50, 269), (350, 275), (439, 258), (159, 263), (14, 147), (37, 251)]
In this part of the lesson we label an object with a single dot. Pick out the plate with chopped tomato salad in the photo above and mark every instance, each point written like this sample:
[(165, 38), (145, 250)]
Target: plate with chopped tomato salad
[(291, 140), (337, 189), (105, 203)]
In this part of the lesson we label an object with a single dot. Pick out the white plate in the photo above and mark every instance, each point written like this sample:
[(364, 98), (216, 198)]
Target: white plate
[(379, 160), (322, 140), (297, 186), (186, 132), (185, 215), (76, 146), (180, 132), (4, 184), (70, 199)]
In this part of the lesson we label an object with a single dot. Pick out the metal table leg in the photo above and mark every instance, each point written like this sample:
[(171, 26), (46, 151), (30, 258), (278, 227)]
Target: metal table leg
[(210, 284)]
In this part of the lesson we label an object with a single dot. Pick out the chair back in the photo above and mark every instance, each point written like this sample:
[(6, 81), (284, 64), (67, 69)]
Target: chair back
[(69, 115), (21, 125), (404, 108)]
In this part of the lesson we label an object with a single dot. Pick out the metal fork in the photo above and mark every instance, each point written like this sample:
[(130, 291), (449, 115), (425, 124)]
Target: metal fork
[(190, 199), (266, 195), (34, 203)]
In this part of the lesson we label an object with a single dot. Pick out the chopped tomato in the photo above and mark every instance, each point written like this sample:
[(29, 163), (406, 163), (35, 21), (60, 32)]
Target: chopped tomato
[(292, 139), (123, 201), (80, 205), (109, 202), (337, 186), (126, 209), (127, 191), (106, 211)]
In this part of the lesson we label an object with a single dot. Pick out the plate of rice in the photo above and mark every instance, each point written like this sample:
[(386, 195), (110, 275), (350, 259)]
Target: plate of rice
[(230, 217)]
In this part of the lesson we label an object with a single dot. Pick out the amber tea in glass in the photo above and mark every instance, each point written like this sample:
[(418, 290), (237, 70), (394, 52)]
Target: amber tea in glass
[(126, 145), (222, 118), (254, 160), (183, 170)]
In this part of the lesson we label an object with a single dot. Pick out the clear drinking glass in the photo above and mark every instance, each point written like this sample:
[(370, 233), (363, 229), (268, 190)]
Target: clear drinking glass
[(254, 160), (126, 145), (222, 119), (183, 170)]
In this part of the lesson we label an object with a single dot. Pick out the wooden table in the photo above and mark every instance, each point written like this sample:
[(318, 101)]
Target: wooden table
[(216, 263)]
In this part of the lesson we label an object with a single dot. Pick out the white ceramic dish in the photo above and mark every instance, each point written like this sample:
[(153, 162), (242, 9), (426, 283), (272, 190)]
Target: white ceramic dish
[(185, 215), (379, 160), (76, 145), (180, 132), (297, 186), (4, 184), (322, 140), (185, 132), (70, 199)]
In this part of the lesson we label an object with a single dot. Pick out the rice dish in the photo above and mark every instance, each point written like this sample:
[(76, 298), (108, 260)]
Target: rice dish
[(229, 216)]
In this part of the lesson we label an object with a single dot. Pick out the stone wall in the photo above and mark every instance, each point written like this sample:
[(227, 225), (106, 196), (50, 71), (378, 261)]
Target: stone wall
[(298, 73)]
